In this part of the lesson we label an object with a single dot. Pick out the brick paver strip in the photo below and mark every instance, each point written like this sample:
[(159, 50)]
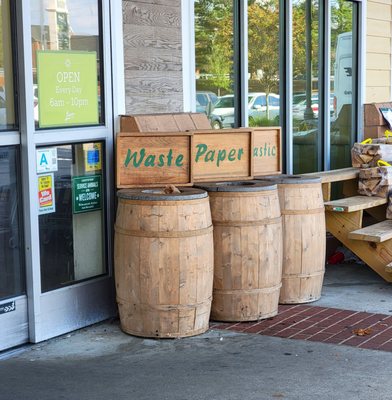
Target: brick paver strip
[(321, 324)]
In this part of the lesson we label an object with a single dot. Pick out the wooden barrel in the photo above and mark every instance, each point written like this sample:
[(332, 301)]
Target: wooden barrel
[(163, 259), (248, 250), (304, 238)]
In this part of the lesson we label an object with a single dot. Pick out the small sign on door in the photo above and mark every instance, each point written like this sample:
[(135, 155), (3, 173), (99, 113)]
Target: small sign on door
[(46, 200), (7, 307), (46, 160)]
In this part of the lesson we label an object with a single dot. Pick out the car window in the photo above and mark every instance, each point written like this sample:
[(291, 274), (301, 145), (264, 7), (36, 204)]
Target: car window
[(273, 101), (225, 102), (202, 99), (260, 101), (213, 98)]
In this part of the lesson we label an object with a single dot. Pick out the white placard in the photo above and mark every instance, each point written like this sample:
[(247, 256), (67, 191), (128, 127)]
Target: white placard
[(46, 160)]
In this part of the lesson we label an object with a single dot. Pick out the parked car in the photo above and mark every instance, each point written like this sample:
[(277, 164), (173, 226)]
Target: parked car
[(205, 101), (222, 115), (300, 107)]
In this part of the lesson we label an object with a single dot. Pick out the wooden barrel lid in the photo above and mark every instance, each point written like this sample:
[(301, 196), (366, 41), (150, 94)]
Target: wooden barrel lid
[(238, 186), (288, 179), (158, 194)]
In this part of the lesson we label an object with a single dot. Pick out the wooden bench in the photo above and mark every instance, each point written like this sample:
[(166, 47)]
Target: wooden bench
[(344, 219), (349, 177)]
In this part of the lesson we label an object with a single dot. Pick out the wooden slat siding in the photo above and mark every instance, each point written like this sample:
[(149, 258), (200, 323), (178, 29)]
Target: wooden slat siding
[(137, 13), (158, 83), (380, 45), (153, 104), (378, 62), (375, 94), (152, 60), (152, 56), (378, 51), (158, 2), (147, 37), (377, 78)]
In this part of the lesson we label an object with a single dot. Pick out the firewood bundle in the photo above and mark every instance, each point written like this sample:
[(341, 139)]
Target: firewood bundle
[(389, 207), (375, 181), (367, 155)]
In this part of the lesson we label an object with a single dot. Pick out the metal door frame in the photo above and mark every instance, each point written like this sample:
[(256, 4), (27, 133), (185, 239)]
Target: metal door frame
[(66, 309)]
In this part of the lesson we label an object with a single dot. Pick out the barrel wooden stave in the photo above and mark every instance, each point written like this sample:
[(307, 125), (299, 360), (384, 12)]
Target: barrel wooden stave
[(164, 284), (248, 255)]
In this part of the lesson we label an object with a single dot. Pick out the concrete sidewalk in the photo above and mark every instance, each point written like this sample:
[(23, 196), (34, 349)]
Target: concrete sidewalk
[(101, 362)]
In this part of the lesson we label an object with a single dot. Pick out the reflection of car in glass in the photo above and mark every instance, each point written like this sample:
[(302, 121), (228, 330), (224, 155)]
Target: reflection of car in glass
[(205, 101), (35, 91), (222, 115), (3, 115), (300, 107)]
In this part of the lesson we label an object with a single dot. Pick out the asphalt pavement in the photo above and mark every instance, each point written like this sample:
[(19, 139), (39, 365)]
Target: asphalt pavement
[(102, 362)]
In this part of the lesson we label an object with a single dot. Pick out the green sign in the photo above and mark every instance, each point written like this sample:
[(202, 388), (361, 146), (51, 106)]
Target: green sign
[(86, 193), (67, 88)]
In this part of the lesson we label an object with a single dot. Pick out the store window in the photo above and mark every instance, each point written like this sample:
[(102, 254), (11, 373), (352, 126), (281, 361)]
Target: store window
[(71, 214), (214, 61), (7, 101), (343, 72), (12, 276), (287, 71), (263, 63), (306, 101), (67, 63)]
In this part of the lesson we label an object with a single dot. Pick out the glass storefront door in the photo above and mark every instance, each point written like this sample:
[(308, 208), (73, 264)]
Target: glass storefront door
[(56, 178), (72, 139), (13, 300)]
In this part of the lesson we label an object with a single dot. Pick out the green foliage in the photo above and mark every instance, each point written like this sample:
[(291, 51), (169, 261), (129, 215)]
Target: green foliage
[(263, 39), (263, 121), (214, 41)]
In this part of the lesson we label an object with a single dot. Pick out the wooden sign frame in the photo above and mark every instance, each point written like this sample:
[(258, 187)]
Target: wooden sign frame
[(153, 159)]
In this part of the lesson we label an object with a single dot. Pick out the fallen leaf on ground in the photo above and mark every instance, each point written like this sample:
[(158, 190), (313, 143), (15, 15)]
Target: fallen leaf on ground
[(362, 332)]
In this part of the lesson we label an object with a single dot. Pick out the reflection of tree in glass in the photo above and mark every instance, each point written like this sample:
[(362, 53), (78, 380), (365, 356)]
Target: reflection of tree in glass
[(341, 21), (300, 24), (263, 41), (214, 42)]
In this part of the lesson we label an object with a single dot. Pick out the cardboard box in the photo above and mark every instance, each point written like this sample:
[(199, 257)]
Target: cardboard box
[(374, 131), (372, 115)]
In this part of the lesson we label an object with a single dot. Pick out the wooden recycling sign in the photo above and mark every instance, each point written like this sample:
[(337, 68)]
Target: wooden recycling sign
[(184, 158)]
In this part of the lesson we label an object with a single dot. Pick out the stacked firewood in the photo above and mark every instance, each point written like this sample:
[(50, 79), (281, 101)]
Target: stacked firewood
[(367, 155), (376, 181), (375, 175)]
